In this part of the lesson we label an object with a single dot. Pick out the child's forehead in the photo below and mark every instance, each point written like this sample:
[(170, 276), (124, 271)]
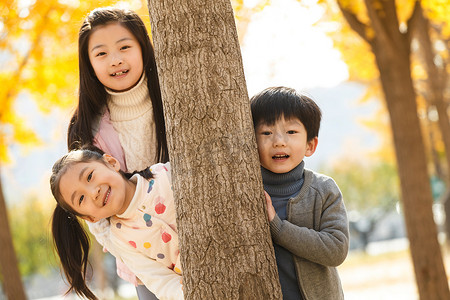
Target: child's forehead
[(280, 119), (74, 168), (82, 165)]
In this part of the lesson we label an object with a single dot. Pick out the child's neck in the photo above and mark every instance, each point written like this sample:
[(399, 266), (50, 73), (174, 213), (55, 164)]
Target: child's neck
[(283, 184), (130, 190), (131, 104)]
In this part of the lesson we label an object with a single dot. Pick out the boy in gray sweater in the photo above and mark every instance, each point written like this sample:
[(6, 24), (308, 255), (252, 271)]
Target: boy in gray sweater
[(307, 216)]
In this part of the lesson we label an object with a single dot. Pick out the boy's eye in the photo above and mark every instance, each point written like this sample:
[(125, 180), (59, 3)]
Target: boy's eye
[(291, 132), (265, 133), (81, 200), (90, 176)]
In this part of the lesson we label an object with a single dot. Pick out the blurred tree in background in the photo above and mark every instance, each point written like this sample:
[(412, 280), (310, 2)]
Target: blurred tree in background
[(429, 69), (371, 193), (29, 225), (390, 34)]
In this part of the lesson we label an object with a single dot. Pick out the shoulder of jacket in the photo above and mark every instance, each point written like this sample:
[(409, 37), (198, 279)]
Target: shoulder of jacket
[(321, 183), (316, 177)]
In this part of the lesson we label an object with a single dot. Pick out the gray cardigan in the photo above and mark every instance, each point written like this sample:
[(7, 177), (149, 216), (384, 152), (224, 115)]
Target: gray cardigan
[(316, 233)]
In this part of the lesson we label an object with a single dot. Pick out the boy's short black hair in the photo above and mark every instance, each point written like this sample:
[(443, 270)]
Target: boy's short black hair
[(273, 103)]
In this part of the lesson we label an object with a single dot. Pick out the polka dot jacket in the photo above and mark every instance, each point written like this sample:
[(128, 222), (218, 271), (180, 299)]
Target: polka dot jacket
[(149, 224)]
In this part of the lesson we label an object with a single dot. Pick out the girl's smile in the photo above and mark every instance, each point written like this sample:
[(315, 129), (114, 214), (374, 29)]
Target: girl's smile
[(105, 201), (120, 73)]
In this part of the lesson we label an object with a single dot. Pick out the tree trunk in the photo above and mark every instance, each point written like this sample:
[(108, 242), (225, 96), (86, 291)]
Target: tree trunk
[(436, 83), (392, 53), (11, 279), (415, 185), (226, 248), (394, 65)]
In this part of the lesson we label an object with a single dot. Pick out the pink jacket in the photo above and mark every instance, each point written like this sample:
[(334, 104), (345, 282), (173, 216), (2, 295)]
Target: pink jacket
[(107, 139)]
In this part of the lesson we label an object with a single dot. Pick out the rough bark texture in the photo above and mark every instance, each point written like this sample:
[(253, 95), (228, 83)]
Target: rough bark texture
[(226, 249), (11, 280), (392, 51)]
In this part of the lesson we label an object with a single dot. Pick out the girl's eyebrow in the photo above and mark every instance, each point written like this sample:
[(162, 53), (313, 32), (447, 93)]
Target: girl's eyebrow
[(80, 176), (119, 41), (124, 39)]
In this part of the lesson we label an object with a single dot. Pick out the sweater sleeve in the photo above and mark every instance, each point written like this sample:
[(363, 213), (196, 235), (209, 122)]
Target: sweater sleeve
[(162, 281), (100, 230), (325, 242)]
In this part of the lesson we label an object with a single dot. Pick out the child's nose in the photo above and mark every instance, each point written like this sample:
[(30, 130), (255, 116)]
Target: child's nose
[(279, 140), (116, 59), (95, 193)]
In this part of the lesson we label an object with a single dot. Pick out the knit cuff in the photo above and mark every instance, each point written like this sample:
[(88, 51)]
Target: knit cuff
[(275, 226)]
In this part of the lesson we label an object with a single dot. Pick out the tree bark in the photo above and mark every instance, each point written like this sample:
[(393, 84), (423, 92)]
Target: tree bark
[(11, 279), (226, 248), (392, 52)]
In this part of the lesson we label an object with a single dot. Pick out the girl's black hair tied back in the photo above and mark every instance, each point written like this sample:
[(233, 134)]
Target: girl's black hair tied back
[(69, 214)]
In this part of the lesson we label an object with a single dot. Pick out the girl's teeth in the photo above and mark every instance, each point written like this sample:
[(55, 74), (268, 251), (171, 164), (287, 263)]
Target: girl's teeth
[(119, 73), (106, 198)]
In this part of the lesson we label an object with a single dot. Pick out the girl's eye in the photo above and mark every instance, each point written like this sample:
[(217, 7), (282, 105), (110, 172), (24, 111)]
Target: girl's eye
[(90, 176), (81, 200), (125, 47), (101, 54)]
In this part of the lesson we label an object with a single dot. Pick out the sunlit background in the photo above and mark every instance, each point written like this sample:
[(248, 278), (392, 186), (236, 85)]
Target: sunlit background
[(283, 42)]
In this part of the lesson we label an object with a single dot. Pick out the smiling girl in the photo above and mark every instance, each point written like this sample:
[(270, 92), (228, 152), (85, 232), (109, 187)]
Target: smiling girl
[(141, 228), (119, 106)]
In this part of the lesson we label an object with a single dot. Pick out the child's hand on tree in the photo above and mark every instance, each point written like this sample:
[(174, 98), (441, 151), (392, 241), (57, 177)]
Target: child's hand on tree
[(270, 210)]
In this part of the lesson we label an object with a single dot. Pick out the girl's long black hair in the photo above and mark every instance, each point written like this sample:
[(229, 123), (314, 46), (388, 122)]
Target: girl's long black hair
[(72, 246), (92, 94), (70, 239)]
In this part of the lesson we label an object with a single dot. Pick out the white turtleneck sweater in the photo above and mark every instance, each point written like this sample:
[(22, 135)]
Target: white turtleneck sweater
[(132, 117)]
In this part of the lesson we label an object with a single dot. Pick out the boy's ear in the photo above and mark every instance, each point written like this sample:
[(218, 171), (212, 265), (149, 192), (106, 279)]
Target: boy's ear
[(311, 146), (112, 161)]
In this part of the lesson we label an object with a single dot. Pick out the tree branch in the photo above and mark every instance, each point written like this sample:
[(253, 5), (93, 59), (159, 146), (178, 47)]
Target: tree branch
[(413, 21), (377, 25), (354, 23)]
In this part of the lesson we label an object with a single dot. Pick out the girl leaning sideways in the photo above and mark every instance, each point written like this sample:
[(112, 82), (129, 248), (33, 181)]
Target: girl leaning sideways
[(141, 227), (120, 107)]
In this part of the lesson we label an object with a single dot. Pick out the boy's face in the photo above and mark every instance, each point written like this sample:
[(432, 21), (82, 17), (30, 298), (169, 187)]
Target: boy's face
[(283, 145)]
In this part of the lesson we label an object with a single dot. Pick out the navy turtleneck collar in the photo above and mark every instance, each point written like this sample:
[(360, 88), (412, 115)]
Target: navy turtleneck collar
[(284, 184)]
